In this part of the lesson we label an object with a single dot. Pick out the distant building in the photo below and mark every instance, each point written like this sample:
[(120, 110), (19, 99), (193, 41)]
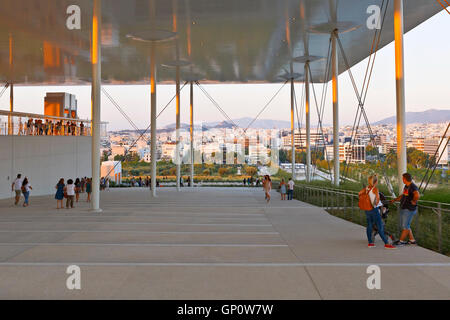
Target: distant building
[(431, 145), (118, 150), (300, 139), (352, 153), (168, 150), (419, 144)]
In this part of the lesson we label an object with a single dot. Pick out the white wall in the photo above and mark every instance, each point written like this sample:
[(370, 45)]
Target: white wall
[(44, 160)]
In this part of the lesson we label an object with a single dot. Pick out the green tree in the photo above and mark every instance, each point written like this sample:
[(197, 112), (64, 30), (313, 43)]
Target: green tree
[(119, 157), (105, 155), (371, 150)]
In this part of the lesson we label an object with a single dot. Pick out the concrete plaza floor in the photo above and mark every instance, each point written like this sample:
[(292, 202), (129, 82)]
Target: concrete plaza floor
[(203, 243)]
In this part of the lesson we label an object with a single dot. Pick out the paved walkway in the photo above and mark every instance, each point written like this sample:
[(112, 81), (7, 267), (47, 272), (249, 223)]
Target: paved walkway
[(206, 243)]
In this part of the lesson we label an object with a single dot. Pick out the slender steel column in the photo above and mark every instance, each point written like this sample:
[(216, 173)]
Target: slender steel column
[(11, 108), (335, 73), (11, 86), (192, 133), (400, 92), (177, 129), (292, 130), (153, 118), (96, 57), (308, 124)]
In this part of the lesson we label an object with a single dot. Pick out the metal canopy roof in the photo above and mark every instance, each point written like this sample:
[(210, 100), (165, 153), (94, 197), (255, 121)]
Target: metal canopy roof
[(240, 41)]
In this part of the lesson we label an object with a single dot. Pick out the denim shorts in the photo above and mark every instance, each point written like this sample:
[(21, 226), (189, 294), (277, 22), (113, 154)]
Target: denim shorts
[(406, 218)]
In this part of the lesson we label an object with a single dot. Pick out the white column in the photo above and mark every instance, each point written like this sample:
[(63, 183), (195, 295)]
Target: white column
[(95, 109), (335, 73), (153, 118), (192, 132), (308, 124), (400, 92), (11, 109), (11, 85), (292, 130), (177, 129)]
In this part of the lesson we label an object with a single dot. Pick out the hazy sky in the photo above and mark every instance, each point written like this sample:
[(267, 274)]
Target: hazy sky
[(427, 70)]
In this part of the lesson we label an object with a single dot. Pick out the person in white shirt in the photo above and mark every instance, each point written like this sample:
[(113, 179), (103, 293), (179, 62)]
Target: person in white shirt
[(70, 192), (17, 187), (291, 185)]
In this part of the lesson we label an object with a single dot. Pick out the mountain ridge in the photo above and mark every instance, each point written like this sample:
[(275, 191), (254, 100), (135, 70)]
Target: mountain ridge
[(427, 116)]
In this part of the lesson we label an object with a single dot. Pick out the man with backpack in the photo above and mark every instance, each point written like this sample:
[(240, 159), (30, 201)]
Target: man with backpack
[(408, 208), (369, 201)]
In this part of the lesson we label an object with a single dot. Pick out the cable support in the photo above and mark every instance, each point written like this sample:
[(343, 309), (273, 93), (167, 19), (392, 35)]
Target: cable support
[(319, 126), (434, 157), (359, 97), (214, 102), (265, 106), (147, 129), (4, 89), (298, 119), (443, 6)]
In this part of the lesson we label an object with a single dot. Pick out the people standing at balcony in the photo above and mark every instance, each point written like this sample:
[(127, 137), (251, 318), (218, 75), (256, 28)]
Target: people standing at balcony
[(29, 127), (17, 188), (69, 189), (73, 128), (26, 189), (59, 196), (81, 128), (36, 127), (88, 189), (40, 127), (282, 189), (373, 216), (46, 127), (57, 128), (20, 127), (77, 189), (67, 129), (291, 185), (408, 208)]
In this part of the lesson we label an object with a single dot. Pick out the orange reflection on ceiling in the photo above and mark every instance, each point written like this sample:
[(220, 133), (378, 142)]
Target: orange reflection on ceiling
[(52, 56)]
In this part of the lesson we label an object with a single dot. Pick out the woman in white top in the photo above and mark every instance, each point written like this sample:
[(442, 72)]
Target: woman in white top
[(374, 216), (69, 189), (26, 188)]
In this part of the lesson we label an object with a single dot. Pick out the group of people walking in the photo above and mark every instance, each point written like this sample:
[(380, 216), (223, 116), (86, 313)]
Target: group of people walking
[(71, 191), (21, 186), (287, 188)]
